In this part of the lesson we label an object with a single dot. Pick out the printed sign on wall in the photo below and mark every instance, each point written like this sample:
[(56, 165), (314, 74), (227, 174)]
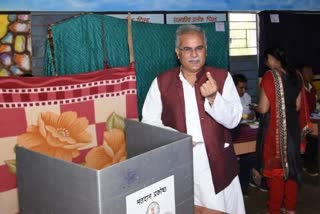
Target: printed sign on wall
[(192, 18), (154, 199), (149, 18)]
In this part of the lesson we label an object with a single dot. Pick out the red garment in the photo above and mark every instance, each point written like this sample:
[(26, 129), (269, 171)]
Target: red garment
[(281, 155), (271, 149), (281, 192), (270, 159), (311, 98)]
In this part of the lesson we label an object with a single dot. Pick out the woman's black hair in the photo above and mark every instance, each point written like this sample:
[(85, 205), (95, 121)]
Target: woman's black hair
[(281, 55)]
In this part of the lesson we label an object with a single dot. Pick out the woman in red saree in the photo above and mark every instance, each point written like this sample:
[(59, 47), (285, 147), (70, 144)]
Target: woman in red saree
[(281, 98)]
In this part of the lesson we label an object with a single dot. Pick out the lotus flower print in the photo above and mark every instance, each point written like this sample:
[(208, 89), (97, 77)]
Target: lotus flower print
[(56, 135)]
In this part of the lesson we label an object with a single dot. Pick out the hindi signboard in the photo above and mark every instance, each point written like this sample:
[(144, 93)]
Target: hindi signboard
[(148, 18), (193, 18), (153, 198)]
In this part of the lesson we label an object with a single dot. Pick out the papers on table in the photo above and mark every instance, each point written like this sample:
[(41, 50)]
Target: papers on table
[(315, 115), (252, 123)]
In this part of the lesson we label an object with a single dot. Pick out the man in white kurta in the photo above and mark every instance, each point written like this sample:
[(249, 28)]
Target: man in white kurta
[(224, 108)]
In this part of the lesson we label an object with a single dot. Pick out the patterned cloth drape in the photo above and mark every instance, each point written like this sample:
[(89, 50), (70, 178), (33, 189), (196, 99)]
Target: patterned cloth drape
[(71, 108)]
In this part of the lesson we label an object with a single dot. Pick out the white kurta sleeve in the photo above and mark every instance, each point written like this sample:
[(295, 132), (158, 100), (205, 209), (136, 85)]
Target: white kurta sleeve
[(152, 107), (226, 108)]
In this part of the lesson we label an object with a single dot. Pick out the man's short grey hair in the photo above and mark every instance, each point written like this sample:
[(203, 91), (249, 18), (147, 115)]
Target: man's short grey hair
[(183, 29)]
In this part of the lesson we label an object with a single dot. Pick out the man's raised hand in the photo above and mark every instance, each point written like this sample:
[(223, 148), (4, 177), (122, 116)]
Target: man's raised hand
[(209, 88)]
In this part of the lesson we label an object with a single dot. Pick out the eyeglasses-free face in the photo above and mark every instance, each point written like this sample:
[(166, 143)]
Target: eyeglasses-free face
[(191, 52)]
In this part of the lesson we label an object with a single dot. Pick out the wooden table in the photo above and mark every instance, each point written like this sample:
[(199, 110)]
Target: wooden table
[(244, 139)]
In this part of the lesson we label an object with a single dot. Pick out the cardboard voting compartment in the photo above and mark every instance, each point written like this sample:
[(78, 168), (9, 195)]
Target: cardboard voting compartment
[(156, 178)]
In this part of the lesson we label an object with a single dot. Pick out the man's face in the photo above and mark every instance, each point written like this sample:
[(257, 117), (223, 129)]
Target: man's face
[(191, 52), (241, 88)]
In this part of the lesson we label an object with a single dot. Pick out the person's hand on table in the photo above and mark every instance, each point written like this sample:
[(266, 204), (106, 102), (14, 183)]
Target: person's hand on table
[(250, 116)]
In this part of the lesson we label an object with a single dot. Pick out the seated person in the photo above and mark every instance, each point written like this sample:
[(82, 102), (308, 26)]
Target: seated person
[(310, 160), (241, 84)]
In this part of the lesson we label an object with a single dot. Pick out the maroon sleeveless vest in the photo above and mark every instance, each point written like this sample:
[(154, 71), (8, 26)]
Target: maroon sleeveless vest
[(223, 161)]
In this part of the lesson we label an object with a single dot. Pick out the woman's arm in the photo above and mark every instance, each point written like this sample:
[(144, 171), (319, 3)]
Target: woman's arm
[(263, 105), (298, 102)]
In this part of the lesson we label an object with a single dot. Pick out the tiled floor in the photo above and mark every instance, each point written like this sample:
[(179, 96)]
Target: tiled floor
[(308, 201)]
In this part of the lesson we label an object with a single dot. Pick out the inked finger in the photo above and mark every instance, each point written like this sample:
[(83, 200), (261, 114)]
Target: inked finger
[(210, 78)]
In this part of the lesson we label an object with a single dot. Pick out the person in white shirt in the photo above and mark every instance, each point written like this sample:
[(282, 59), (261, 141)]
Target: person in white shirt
[(203, 102), (241, 84)]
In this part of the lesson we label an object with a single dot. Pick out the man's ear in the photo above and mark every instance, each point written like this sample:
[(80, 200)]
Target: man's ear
[(177, 53)]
